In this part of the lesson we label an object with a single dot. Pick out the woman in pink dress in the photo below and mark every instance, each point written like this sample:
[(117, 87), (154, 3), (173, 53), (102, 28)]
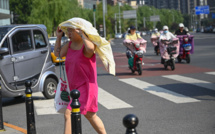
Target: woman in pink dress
[(82, 75)]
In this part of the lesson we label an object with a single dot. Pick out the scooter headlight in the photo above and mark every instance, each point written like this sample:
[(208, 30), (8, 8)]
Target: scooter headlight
[(137, 45), (186, 40)]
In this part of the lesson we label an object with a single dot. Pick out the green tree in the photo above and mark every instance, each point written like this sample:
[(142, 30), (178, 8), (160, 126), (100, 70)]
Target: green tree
[(17, 7), (52, 12)]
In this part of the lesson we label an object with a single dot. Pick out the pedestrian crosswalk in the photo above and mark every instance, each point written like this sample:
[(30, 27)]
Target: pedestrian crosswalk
[(159, 91), (111, 101), (212, 73), (196, 82)]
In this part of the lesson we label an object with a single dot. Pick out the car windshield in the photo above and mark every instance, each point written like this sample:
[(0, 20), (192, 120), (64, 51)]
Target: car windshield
[(3, 32)]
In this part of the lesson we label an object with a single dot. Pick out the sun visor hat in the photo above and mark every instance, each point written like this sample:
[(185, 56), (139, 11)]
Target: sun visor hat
[(132, 28), (165, 27), (181, 25)]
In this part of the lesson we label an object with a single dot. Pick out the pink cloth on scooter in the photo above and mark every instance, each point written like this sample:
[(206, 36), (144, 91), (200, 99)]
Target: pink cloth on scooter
[(164, 53), (142, 42), (155, 39), (82, 75)]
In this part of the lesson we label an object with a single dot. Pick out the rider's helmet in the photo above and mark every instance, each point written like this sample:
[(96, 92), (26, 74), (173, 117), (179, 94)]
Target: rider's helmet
[(181, 25), (155, 30)]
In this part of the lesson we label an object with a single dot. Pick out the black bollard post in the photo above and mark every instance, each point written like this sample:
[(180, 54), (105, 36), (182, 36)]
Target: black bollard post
[(76, 115), (1, 113), (31, 129), (130, 121)]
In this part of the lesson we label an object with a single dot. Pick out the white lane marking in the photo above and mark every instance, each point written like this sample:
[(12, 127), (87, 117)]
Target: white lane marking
[(159, 91), (111, 102), (192, 81), (211, 73), (38, 94), (44, 107)]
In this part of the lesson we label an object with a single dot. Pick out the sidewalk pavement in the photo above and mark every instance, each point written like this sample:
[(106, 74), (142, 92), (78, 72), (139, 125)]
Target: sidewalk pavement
[(12, 130)]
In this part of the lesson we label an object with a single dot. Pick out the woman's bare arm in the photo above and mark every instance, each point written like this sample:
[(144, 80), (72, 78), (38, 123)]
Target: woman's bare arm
[(58, 49), (89, 46)]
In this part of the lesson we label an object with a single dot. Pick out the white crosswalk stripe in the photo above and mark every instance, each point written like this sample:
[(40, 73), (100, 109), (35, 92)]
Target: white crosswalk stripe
[(211, 73), (192, 81), (159, 91), (106, 99), (111, 102), (44, 107)]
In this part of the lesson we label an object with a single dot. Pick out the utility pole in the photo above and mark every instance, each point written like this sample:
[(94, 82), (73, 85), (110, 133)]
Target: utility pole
[(154, 15), (144, 22), (94, 15), (104, 9), (119, 18), (115, 24)]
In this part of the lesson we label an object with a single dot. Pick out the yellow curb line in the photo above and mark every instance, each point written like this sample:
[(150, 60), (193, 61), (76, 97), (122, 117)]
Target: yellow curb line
[(16, 128)]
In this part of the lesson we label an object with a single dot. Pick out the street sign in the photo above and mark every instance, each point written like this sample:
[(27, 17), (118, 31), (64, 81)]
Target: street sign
[(213, 15), (202, 10), (155, 18), (129, 14)]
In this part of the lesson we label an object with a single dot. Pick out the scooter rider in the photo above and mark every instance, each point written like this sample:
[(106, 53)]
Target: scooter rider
[(156, 32), (132, 35), (181, 30), (166, 35), (156, 35)]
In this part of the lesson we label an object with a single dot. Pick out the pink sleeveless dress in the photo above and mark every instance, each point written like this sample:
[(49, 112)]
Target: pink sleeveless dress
[(82, 75)]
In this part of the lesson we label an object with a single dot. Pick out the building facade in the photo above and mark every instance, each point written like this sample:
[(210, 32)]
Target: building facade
[(4, 12)]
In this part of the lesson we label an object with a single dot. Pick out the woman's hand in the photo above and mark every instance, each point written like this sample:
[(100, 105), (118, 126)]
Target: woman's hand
[(81, 33), (59, 33)]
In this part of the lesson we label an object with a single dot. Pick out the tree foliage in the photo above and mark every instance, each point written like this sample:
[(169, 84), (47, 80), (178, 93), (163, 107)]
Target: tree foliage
[(52, 12), (21, 10)]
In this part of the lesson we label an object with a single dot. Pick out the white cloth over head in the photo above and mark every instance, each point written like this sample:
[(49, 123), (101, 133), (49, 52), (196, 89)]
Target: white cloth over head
[(103, 47)]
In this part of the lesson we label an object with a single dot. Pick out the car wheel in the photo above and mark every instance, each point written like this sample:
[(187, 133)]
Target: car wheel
[(50, 87)]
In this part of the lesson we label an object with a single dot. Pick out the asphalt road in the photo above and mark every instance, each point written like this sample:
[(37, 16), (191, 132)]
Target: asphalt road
[(166, 102)]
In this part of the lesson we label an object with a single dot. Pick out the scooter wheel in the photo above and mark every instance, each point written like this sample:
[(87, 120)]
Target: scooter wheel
[(179, 59), (173, 65), (188, 58), (165, 66), (157, 53), (139, 68), (132, 70)]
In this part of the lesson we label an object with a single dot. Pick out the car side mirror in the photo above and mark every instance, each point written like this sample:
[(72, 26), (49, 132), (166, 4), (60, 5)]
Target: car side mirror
[(4, 50)]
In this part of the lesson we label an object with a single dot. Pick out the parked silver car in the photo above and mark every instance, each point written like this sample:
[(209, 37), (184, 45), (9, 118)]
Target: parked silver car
[(25, 55)]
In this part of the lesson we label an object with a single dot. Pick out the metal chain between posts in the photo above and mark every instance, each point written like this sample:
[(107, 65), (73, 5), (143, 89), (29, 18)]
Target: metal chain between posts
[(1, 113), (31, 129), (76, 115)]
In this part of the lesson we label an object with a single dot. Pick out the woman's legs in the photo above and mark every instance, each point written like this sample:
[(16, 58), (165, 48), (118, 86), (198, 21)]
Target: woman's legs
[(96, 122), (67, 126)]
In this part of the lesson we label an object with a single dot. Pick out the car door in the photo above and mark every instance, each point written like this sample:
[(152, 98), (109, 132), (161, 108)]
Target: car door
[(6, 67), (25, 57)]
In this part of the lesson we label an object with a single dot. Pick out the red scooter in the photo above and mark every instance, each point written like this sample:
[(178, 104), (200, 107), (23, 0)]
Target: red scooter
[(186, 47), (137, 48)]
